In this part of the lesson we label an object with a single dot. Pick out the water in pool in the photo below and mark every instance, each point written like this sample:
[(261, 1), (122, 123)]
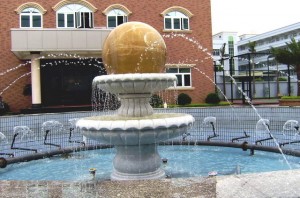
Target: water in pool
[(183, 161)]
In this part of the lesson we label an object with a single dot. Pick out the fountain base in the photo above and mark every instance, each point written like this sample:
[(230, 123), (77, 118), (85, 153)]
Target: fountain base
[(137, 162), (158, 174)]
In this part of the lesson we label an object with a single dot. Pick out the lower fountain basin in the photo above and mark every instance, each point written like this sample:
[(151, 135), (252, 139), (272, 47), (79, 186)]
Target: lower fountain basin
[(118, 130), (135, 139)]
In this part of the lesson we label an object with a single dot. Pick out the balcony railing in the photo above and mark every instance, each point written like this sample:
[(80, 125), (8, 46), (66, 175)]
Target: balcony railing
[(85, 42)]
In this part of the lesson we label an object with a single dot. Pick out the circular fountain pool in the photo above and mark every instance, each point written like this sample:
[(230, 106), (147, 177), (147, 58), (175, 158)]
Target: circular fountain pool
[(183, 161)]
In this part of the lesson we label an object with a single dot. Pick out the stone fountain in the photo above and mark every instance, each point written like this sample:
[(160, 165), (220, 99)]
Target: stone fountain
[(134, 55)]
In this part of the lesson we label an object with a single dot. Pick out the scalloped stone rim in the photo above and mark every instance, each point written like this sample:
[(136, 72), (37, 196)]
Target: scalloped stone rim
[(173, 121), (134, 77)]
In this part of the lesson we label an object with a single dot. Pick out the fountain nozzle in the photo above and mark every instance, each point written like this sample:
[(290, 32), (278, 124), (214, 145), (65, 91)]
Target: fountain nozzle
[(93, 172), (165, 160)]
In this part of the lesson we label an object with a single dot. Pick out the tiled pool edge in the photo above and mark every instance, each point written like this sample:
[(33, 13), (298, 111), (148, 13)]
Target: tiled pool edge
[(269, 184), (190, 187)]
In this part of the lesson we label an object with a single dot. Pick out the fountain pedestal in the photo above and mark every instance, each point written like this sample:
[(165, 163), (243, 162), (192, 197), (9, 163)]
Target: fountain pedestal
[(135, 105), (137, 163)]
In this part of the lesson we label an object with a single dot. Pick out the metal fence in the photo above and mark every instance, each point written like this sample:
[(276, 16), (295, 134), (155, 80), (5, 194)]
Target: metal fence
[(267, 126), (268, 84)]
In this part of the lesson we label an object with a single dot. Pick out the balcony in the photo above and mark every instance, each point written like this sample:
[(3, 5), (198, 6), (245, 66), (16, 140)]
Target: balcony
[(82, 42)]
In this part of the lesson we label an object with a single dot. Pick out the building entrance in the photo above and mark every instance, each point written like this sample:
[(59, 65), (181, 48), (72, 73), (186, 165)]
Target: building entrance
[(69, 82)]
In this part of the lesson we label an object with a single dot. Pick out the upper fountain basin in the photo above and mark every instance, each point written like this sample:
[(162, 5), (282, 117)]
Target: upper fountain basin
[(135, 83)]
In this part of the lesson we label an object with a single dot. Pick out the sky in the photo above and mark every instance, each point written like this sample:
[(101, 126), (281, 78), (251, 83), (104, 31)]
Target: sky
[(253, 16)]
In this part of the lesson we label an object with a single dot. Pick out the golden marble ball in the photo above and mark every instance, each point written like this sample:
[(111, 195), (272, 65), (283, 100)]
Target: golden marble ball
[(134, 47)]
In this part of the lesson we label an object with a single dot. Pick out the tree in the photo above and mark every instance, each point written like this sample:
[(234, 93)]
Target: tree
[(290, 55), (251, 48)]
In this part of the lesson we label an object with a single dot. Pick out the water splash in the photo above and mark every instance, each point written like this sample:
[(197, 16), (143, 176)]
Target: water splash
[(210, 120), (26, 134), (192, 40), (84, 61), (263, 121), (291, 126), (3, 139), (73, 121), (13, 82), (15, 68), (52, 125), (252, 106), (290, 132)]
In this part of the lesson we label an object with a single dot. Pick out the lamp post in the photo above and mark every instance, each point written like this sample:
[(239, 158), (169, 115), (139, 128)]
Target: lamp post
[(224, 57), (231, 83), (249, 67), (269, 74), (215, 69), (289, 80), (277, 81)]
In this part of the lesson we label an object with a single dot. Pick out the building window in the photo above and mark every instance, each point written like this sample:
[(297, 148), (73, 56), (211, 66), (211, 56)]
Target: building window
[(184, 77), (116, 14), (216, 52), (116, 17), (30, 18), (75, 16), (176, 20)]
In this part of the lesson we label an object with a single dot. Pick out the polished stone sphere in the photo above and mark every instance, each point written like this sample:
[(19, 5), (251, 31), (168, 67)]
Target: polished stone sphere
[(134, 47)]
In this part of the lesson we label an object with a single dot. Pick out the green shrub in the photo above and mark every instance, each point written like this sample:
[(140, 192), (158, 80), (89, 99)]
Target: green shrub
[(184, 99), (155, 101), (4, 108), (282, 79), (212, 98), (27, 90), (290, 97)]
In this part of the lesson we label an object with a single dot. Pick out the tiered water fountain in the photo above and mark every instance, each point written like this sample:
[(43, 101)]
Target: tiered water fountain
[(134, 54)]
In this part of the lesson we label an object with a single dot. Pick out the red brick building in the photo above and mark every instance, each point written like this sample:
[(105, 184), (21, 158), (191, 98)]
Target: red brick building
[(53, 46)]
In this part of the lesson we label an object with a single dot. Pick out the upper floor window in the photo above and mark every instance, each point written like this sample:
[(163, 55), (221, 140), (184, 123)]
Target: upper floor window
[(184, 78), (31, 15), (74, 16), (30, 18), (116, 14), (176, 18), (176, 21), (116, 17), (216, 52)]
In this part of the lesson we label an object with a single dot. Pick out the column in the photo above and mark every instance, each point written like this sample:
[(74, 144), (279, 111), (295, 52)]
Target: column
[(36, 80)]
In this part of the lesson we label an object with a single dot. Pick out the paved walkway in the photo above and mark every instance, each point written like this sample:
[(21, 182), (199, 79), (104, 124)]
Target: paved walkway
[(279, 184)]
